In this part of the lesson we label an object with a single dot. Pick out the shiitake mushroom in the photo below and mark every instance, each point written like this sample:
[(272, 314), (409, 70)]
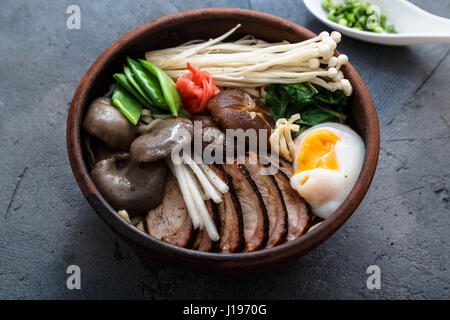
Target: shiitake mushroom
[(107, 123), (237, 109), (159, 143), (131, 186), (135, 181)]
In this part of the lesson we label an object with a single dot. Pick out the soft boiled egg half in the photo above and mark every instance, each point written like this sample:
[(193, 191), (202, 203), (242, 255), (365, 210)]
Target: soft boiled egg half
[(328, 159)]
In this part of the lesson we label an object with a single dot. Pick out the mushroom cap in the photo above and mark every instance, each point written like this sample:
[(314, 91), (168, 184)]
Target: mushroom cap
[(102, 151), (134, 187), (159, 143), (210, 130), (237, 109), (107, 123)]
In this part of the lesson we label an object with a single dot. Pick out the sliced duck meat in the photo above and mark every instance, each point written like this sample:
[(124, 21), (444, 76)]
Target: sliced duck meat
[(276, 210), (170, 221), (202, 241), (286, 167), (277, 163), (230, 216), (254, 212), (298, 212)]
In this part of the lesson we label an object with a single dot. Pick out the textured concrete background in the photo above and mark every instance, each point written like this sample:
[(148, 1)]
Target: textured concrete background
[(45, 223)]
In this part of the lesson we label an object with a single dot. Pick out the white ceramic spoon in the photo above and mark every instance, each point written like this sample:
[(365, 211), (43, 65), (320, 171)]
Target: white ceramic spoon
[(413, 24)]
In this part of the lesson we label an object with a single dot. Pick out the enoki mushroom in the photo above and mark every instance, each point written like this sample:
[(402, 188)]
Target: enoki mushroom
[(253, 63)]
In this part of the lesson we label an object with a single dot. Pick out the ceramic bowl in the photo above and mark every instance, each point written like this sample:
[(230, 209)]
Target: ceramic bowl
[(178, 28)]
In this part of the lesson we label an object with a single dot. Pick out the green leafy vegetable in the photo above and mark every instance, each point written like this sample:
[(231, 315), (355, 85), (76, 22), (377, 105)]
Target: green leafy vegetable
[(328, 97), (312, 116), (126, 103), (314, 103), (276, 101), (302, 93), (358, 15)]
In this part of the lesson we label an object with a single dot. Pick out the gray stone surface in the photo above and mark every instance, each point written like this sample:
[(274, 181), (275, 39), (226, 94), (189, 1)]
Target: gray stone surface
[(402, 225)]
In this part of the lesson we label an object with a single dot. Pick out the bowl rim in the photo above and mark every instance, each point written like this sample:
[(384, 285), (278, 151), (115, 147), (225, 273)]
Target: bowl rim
[(163, 250)]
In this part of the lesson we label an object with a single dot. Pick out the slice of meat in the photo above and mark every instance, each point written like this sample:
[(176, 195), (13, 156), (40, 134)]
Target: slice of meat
[(298, 212), (202, 241), (170, 221), (276, 210), (230, 216), (276, 164), (286, 167), (254, 213)]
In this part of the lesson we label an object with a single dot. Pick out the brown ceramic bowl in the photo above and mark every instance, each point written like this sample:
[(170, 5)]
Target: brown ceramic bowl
[(175, 29)]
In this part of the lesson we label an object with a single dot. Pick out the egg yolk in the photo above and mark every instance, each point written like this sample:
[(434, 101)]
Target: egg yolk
[(317, 151)]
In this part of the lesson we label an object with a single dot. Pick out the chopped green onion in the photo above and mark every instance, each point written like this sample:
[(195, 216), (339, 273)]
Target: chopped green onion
[(358, 15), (391, 29)]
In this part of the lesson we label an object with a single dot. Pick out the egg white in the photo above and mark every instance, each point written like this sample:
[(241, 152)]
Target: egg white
[(325, 189)]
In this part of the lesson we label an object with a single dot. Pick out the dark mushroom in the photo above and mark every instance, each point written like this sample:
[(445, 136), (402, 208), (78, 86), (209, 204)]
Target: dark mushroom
[(135, 187), (107, 123), (102, 151), (210, 130), (237, 109), (211, 136), (159, 143)]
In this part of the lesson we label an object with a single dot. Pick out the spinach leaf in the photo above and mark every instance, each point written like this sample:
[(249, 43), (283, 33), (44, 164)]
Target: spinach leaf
[(314, 103), (301, 94), (276, 101), (325, 97), (312, 116)]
